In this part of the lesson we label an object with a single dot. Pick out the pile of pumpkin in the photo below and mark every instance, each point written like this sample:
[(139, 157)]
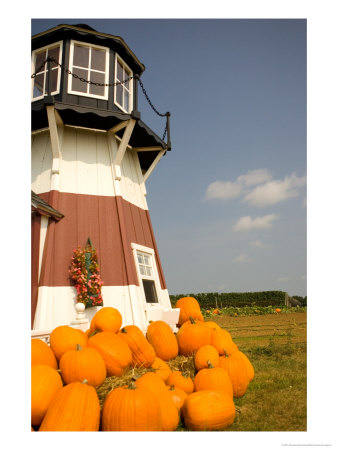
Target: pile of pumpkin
[(66, 375)]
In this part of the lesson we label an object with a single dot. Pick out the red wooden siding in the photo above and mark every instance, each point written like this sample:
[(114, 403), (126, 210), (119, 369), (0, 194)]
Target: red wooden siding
[(35, 248), (112, 225)]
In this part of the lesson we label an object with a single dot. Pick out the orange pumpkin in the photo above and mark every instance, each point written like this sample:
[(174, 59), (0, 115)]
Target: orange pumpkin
[(75, 407), (41, 353), (45, 383), (161, 368), (114, 351), (249, 367), (106, 319), (212, 325), (235, 365), (216, 311), (177, 379), (205, 355), (64, 338), (222, 341), (208, 411), (169, 412), (214, 379), (83, 364), (131, 408), (143, 353), (177, 396), (162, 338), (191, 337), (189, 307)]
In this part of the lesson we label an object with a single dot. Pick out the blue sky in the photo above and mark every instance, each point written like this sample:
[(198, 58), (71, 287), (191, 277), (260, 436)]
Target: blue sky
[(228, 203)]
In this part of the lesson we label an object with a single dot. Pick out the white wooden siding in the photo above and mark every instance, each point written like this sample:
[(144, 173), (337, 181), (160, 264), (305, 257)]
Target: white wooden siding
[(41, 162), (86, 166)]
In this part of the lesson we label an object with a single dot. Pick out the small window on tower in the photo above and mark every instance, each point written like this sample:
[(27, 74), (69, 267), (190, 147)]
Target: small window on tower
[(123, 85), (40, 69), (146, 271), (89, 64)]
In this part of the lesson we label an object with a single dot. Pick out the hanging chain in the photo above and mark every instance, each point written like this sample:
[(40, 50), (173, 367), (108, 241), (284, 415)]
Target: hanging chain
[(77, 76), (74, 75)]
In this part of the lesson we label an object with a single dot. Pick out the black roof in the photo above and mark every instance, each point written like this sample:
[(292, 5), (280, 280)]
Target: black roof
[(43, 208)]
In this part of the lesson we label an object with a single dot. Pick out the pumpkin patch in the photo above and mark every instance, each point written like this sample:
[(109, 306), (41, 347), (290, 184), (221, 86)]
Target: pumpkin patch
[(121, 379)]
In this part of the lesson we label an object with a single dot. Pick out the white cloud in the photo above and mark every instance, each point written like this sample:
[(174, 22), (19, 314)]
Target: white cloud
[(256, 244), (243, 257), (254, 177), (275, 191), (223, 190), (247, 223)]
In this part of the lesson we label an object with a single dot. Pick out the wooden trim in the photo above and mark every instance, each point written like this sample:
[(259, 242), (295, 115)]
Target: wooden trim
[(54, 138), (122, 148), (148, 149), (119, 126), (153, 165), (35, 248)]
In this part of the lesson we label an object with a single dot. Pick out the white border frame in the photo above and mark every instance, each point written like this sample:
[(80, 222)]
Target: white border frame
[(131, 97), (70, 66), (49, 46), (151, 253)]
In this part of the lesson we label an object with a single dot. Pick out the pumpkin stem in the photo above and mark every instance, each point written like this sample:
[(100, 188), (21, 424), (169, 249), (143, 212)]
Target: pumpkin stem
[(85, 382), (226, 353), (78, 347), (210, 366), (132, 385), (123, 330), (192, 320)]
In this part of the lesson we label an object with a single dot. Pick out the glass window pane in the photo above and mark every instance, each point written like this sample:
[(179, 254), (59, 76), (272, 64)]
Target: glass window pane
[(54, 75), (77, 85), (38, 85), (119, 74), (140, 258), (150, 291), (142, 270), (126, 100), (96, 77), (119, 94), (98, 60), (81, 56), (148, 270), (147, 260), (54, 53), (40, 57)]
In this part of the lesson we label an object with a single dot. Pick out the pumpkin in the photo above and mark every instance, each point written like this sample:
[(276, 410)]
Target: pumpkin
[(75, 407), (143, 353), (278, 310), (131, 408), (214, 379), (191, 337), (83, 364), (177, 396), (41, 353), (177, 379), (161, 368), (169, 413), (235, 365), (106, 319), (45, 383), (222, 341), (64, 338), (216, 311), (162, 338), (189, 307), (208, 411), (204, 355), (249, 367), (213, 325), (114, 351)]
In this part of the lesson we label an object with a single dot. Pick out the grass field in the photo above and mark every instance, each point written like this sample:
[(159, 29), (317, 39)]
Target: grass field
[(276, 345)]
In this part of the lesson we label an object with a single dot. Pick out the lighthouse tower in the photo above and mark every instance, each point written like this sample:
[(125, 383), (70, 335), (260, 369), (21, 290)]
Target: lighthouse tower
[(91, 157)]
